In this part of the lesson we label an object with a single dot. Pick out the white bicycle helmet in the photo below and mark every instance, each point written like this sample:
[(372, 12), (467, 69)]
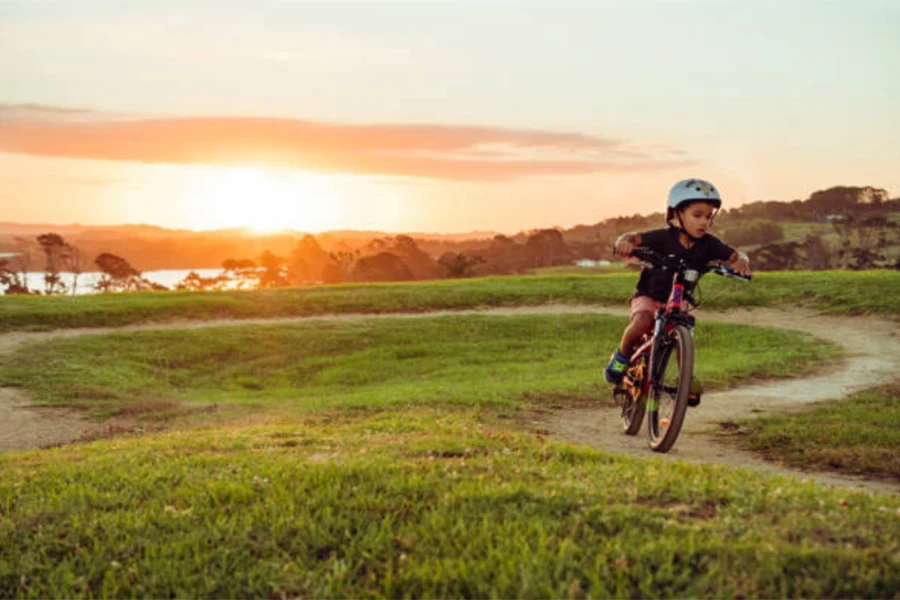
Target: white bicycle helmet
[(691, 190)]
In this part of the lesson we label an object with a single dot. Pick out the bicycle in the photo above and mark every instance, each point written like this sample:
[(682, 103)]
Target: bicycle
[(653, 382)]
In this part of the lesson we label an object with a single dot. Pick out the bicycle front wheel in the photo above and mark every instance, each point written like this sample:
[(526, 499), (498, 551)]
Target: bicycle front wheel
[(668, 400)]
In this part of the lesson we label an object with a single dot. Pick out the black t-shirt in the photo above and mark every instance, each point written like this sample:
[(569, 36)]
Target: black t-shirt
[(657, 283)]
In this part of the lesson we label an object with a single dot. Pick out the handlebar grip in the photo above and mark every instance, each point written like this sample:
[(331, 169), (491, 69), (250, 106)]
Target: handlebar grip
[(646, 255), (641, 252)]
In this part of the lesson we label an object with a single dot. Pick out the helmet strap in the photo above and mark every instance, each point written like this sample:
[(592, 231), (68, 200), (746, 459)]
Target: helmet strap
[(681, 229)]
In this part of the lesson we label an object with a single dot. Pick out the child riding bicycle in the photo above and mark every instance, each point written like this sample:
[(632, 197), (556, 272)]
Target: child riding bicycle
[(691, 208)]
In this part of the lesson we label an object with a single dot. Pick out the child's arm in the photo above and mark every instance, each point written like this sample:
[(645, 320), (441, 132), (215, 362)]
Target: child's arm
[(740, 262), (626, 243)]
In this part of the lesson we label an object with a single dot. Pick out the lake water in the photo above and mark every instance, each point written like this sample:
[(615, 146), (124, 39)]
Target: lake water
[(86, 281)]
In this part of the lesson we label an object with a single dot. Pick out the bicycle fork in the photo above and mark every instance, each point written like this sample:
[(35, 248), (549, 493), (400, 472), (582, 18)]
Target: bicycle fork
[(652, 383)]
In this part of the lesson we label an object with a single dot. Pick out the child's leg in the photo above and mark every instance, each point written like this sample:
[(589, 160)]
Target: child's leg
[(643, 316), (641, 323)]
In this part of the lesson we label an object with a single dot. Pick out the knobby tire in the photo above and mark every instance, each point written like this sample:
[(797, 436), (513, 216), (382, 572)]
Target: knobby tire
[(663, 427)]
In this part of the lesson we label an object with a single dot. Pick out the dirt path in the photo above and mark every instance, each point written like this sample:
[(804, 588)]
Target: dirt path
[(873, 344)]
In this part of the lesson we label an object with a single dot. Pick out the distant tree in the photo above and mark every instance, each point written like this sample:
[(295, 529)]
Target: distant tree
[(502, 256), (864, 242), (841, 199), (307, 262), (501, 242), (299, 272), (344, 260), (378, 245), (404, 243), (16, 269), (459, 264), (115, 266), (331, 274), (547, 248), (750, 232), (773, 210), (119, 276), (56, 254), (12, 277), (776, 257), (243, 273), (420, 264), (274, 271), (817, 255), (864, 258), (74, 260), (194, 282), (383, 266)]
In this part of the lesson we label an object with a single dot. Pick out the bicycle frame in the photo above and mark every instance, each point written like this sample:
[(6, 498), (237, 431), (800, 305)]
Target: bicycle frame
[(648, 378), (666, 319)]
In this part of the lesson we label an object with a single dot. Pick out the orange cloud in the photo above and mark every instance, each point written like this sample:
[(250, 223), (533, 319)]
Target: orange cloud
[(434, 151)]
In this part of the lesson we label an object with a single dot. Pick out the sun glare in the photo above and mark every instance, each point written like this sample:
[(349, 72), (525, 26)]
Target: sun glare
[(261, 200)]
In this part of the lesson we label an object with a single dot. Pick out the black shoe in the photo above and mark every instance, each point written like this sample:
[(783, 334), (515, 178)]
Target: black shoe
[(615, 370), (696, 391)]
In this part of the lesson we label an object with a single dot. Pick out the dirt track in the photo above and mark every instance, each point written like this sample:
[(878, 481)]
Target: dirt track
[(873, 344)]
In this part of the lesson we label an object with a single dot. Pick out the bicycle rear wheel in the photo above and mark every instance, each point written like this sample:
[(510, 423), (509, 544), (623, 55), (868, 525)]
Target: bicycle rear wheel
[(632, 395), (668, 401)]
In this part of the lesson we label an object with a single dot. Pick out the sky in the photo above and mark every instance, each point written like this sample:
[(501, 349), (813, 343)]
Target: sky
[(435, 116)]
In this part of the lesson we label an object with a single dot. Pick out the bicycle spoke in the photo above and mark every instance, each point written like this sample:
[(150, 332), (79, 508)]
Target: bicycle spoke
[(671, 389)]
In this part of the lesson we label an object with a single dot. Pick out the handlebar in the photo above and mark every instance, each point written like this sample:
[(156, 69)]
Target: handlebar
[(720, 269), (670, 262)]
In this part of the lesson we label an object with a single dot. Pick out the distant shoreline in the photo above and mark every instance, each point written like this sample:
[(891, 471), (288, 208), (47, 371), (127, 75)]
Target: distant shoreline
[(87, 279)]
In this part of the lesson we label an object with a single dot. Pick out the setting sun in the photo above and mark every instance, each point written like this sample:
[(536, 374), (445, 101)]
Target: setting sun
[(260, 199)]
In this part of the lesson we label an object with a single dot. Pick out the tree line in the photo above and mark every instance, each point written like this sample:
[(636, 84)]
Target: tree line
[(389, 258), (863, 223)]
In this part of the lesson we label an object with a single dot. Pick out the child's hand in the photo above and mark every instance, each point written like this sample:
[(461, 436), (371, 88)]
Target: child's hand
[(625, 244), (741, 264)]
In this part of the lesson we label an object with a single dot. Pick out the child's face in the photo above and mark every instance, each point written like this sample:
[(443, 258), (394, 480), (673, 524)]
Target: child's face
[(697, 218)]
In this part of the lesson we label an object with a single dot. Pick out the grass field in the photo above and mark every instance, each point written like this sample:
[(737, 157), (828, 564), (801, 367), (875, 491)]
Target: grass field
[(454, 360), (860, 434), (422, 503), (841, 292), (382, 458)]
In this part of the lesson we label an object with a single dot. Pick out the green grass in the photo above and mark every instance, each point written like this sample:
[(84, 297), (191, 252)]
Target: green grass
[(616, 267), (838, 292), (423, 504), (452, 360), (377, 458), (859, 435)]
